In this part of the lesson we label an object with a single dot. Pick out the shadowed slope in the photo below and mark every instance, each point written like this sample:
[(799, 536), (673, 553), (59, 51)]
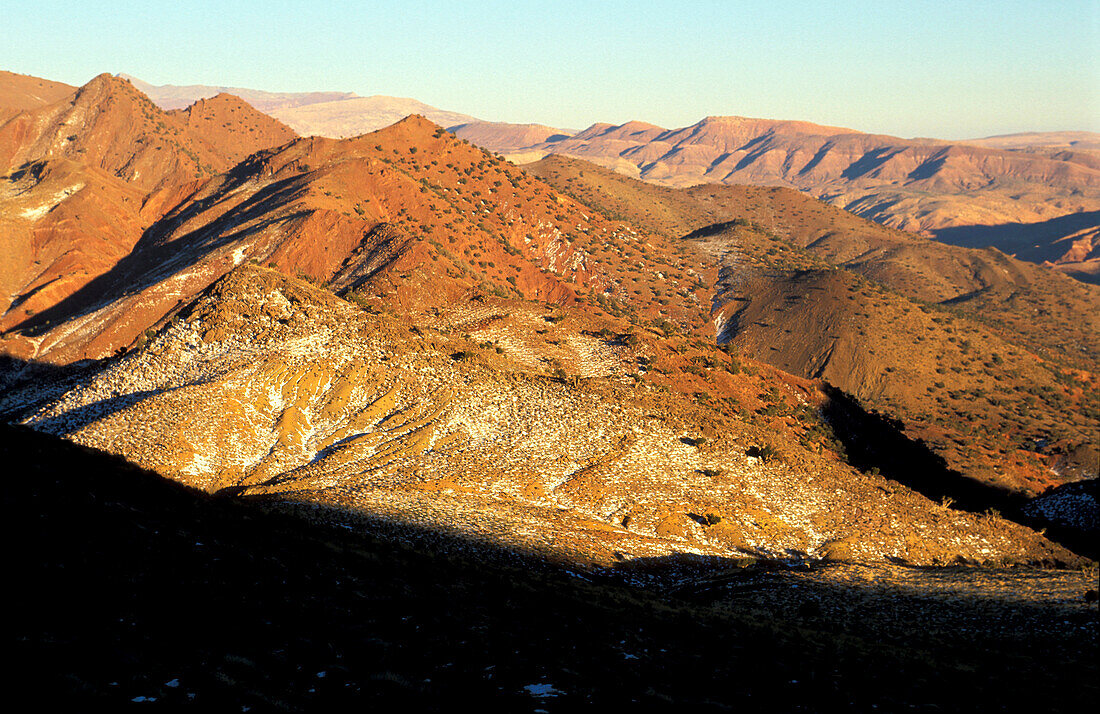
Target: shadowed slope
[(188, 600), (1070, 243)]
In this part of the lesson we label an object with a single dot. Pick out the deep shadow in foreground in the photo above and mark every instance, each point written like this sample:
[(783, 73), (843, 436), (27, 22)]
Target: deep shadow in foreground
[(132, 588), (874, 441)]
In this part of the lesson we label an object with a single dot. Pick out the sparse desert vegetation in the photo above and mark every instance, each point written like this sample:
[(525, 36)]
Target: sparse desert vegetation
[(311, 423)]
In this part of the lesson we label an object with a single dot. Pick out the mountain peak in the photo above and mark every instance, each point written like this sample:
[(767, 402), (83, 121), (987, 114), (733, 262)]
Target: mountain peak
[(417, 120), (106, 81), (635, 126), (413, 128)]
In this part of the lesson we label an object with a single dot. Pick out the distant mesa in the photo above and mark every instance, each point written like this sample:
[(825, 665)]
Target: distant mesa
[(170, 96), (1045, 140)]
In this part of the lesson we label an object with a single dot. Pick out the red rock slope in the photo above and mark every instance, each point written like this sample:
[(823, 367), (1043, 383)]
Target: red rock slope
[(83, 177)]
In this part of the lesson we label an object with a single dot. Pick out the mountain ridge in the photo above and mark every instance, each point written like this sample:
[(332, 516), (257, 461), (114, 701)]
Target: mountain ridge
[(940, 188), (83, 177), (821, 293), (519, 291), (933, 187), (334, 115)]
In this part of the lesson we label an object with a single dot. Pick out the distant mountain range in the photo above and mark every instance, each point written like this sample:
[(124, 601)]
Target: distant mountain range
[(959, 192), (337, 115), (1036, 195)]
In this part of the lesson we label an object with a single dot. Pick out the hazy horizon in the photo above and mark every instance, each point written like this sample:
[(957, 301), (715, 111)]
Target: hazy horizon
[(927, 69)]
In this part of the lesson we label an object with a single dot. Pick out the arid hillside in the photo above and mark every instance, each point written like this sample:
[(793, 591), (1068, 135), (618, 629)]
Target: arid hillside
[(367, 214), (983, 284), (266, 385), (958, 344), (921, 186), (21, 92), (83, 177), (403, 325)]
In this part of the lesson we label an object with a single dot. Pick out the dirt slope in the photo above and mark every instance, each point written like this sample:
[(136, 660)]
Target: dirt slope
[(21, 92)]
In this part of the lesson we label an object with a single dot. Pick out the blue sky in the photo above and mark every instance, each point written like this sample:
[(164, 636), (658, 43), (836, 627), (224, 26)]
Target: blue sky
[(943, 69)]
